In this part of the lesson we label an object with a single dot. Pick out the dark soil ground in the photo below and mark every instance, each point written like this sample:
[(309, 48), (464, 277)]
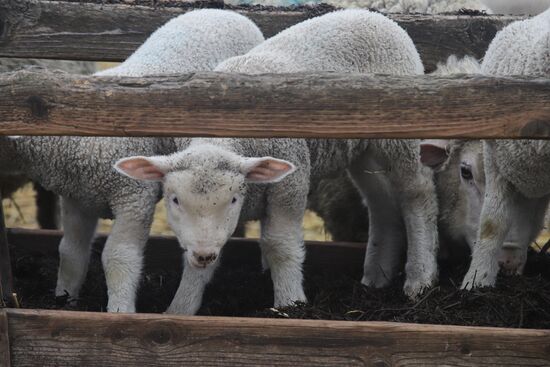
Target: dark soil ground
[(246, 291)]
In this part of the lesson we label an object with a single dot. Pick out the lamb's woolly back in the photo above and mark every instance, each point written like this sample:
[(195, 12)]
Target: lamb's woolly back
[(167, 50), (518, 7), (454, 65), (521, 48), (342, 41), (387, 6), (419, 6)]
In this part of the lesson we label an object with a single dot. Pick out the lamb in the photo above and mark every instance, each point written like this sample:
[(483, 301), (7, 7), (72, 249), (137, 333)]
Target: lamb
[(517, 171), (386, 6), (460, 185), (46, 202), (213, 182), (338, 202), (523, 7), (81, 169)]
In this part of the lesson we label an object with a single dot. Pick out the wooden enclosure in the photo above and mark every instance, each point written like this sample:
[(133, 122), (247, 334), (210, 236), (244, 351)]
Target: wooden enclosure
[(34, 102)]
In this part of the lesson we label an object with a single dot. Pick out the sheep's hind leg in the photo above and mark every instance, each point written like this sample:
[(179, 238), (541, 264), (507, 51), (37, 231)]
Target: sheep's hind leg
[(74, 249), (386, 239)]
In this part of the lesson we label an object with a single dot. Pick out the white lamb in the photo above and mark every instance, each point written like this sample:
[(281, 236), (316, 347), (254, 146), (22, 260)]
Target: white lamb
[(81, 169), (517, 7), (460, 183), (386, 6), (517, 171), (214, 182)]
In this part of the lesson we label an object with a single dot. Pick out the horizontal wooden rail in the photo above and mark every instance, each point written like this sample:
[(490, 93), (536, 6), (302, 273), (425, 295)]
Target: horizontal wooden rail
[(298, 105), (110, 32), (64, 338), (165, 252)]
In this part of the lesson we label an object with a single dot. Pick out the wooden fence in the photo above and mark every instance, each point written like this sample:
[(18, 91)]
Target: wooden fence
[(308, 105), (324, 105), (111, 32)]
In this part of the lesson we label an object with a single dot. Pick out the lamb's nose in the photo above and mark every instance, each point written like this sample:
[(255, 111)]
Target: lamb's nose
[(204, 258)]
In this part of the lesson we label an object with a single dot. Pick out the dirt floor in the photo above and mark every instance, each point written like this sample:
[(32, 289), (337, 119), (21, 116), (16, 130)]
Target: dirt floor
[(247, 291)]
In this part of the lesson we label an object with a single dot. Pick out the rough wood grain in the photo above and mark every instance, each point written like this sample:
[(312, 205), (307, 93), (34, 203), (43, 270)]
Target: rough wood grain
[(297, 105), (4, 340), (6, 281), (61, 338), (111, 32), (165, 252)]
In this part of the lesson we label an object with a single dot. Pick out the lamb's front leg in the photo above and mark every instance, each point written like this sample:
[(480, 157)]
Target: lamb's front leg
[(74, 250), (495, 222), (282, 247), (123, 258), (188, 297), (419, 207)]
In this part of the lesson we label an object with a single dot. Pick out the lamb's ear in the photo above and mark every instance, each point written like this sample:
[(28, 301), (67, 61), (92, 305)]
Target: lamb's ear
[(433, 153), (143, 168), (266, 169)]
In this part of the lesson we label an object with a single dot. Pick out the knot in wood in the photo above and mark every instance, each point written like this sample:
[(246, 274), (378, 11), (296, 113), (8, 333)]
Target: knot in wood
[(536, 129), (38, 106), (161, 335)]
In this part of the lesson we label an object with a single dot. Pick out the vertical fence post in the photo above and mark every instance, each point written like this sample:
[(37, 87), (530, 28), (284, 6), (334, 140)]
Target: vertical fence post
[(6, 281)]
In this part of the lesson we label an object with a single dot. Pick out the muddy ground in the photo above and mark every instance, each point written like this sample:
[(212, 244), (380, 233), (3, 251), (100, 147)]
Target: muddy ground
[(246, 291)]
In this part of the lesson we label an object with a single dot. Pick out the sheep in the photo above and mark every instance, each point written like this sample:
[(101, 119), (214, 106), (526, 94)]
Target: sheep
[(46, 202), (81, 170), (220, 176), (517, 175), (160, 54), (460, 185), (515, 7), (338, 202), (386, 6)]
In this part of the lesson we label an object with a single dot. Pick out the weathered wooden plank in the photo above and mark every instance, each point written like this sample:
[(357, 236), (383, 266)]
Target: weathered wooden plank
[(111, 32), (4, 340), (165, 252), (6, 281), (61, 338), (299, 105)]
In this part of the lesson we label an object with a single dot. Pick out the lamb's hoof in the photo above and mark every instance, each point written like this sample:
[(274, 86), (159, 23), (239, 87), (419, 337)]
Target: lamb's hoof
[(66, 302), (290, 301), (375, 280), (475, 279), (415, 289)]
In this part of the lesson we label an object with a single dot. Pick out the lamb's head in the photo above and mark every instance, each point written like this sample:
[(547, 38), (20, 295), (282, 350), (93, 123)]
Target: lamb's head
[(204, 190), (460, 184)]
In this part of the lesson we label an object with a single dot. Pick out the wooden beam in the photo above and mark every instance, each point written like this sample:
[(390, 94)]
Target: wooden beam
[(62, 338), (4, 340), (323, 105), (6, 278), (110, 32), (165, 252)]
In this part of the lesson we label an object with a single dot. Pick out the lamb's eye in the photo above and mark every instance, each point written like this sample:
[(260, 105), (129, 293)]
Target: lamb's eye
[(234, 200), (466, 171), (175, 200)]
